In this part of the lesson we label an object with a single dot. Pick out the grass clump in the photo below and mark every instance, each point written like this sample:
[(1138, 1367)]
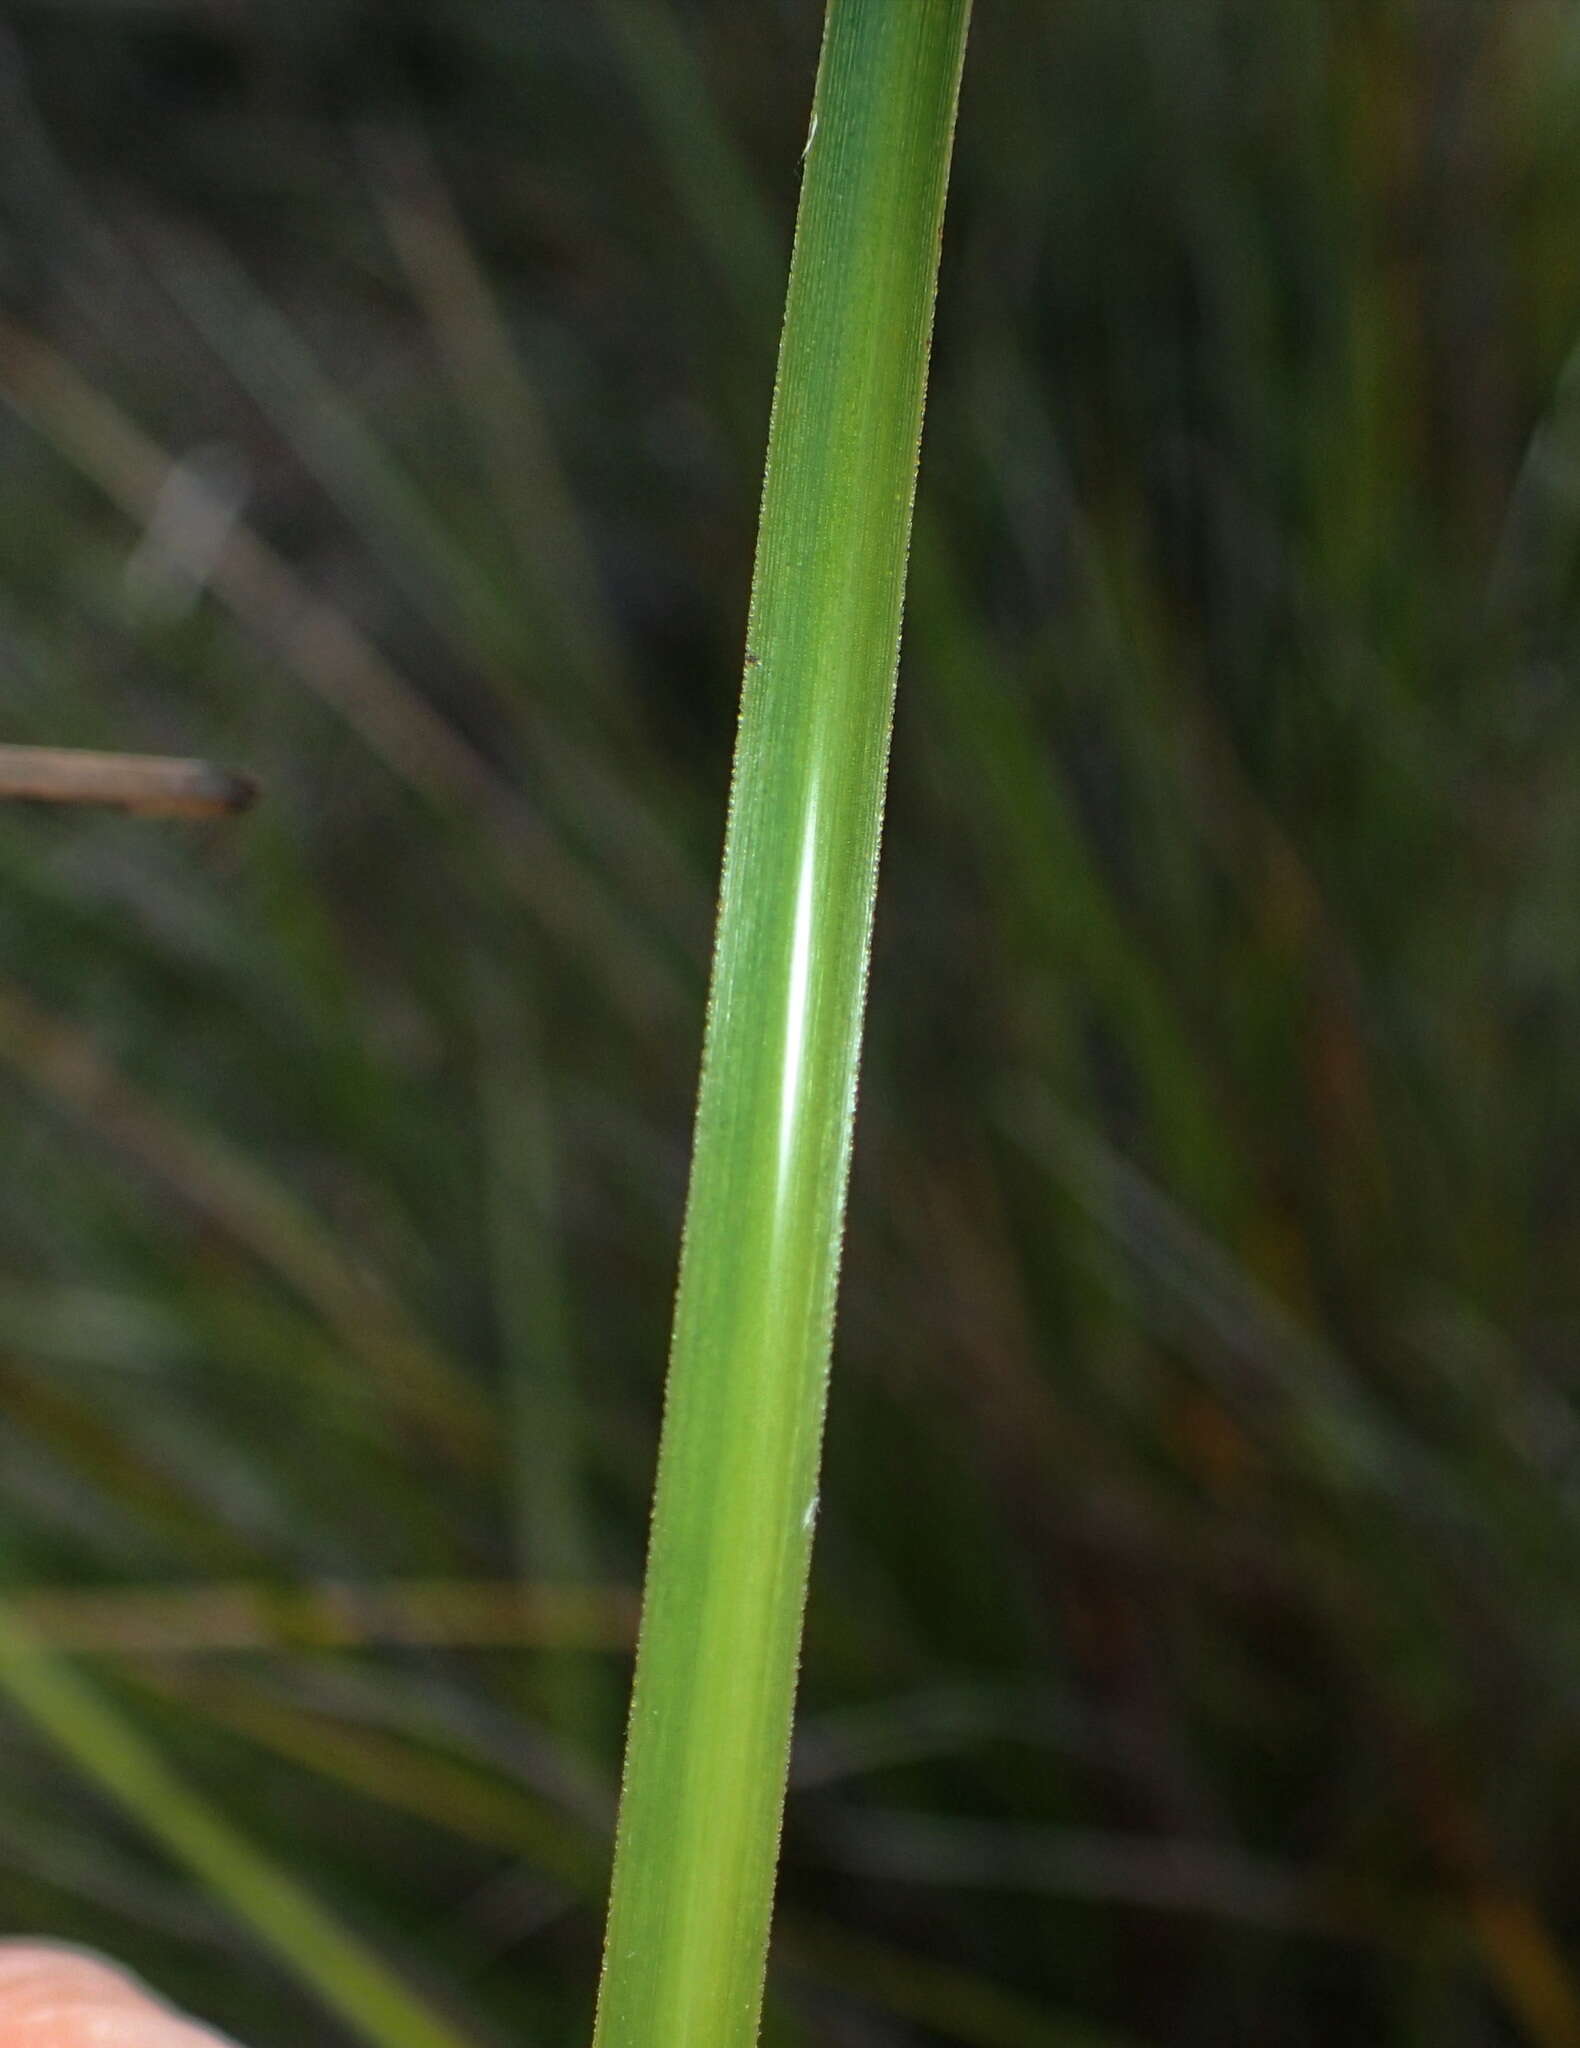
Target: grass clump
[(1191, 1655)]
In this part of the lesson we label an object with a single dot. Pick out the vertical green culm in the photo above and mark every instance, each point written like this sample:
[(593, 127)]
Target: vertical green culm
[(737, 1483)]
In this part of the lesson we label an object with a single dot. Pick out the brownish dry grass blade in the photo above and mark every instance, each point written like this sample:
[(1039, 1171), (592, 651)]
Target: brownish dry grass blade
[(219, 1618)]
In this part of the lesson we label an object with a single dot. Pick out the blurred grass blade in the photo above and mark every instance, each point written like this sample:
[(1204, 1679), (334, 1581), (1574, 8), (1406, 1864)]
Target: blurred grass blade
[(217, 1618), (954, 2004), (332, 657), (553, 1529), (278, 371), (515, 449), (513, 633), (1275, 1372), (551, 1499), (227, 1191), (737, 1490), (1145, 1873), (450, 1795), (714, 183), (346, 1974)]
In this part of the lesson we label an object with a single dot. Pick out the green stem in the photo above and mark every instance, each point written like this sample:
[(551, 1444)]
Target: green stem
[(737, 1484)]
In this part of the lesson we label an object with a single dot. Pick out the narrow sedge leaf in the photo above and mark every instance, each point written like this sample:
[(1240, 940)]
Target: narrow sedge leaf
[(737, 1486)]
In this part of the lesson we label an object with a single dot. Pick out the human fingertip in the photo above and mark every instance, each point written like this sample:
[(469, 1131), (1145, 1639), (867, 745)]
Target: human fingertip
[(52, 1996)]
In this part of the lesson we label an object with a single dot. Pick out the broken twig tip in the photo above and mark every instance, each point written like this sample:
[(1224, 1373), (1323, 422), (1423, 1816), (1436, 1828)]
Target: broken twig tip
[(144, 785)]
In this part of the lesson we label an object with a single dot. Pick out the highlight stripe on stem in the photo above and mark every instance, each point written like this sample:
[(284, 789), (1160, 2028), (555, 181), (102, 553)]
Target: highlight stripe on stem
[(737, 1486)]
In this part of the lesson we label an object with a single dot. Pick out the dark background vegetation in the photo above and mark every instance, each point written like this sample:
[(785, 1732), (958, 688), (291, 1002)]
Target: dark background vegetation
[(1194, 1644)]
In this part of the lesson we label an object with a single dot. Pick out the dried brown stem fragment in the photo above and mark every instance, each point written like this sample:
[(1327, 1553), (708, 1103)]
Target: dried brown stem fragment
[(150, 785)]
